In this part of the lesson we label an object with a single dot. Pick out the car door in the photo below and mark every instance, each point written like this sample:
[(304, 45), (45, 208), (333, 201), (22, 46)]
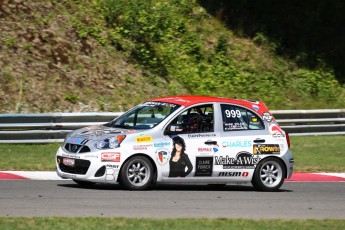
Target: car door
[(242, 133), (192, 131)]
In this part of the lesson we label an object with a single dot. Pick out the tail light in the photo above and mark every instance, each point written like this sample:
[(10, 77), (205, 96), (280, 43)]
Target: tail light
[(287, 139)]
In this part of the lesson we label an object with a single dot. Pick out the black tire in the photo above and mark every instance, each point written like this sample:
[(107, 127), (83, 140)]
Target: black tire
[(269, 175), (137, 173), (84, 183)]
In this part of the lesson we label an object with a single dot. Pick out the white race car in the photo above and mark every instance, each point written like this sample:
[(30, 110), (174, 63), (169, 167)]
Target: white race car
[(181, 139)]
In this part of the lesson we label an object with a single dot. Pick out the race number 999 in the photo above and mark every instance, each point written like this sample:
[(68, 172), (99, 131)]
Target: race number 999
[(232, 113)]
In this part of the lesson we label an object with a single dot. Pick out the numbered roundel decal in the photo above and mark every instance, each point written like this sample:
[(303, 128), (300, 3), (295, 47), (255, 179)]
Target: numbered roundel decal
[(163, 155)]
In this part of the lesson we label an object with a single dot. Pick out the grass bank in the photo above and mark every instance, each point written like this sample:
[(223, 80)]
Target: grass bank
[(96, 54), (311, 153), (153, 224)]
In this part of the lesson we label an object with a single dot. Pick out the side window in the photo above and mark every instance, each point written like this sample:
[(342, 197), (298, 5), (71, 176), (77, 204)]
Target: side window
[(238, 118), (197, 119)]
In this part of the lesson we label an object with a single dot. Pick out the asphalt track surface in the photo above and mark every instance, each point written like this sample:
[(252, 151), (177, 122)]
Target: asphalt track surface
[(295, 200)]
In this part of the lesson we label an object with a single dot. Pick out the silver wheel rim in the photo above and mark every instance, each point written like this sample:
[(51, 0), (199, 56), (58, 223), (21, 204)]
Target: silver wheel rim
[(271, 174), (138, 173)]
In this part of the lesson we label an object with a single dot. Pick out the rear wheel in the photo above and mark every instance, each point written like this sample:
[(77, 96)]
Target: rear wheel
[(269, 175), (137, 173)]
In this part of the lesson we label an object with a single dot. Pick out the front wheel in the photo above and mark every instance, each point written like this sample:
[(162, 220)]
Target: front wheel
[(137, 173), (269, 175)]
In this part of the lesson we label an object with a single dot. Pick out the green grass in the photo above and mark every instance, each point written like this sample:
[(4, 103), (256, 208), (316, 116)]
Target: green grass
[(319, 153), (311, 153), (131, 223), (28, 156)]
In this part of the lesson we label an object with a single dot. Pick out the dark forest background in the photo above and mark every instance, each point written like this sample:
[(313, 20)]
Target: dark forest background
[(312, 32)]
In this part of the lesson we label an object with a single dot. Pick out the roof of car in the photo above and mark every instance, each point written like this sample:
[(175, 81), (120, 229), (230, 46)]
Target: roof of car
[(191, 100)]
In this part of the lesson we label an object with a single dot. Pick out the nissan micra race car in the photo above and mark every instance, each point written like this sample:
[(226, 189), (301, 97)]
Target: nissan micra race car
[(181, 139)]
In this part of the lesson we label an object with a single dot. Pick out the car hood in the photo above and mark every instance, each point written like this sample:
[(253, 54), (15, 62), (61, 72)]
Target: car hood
[(100, 132)]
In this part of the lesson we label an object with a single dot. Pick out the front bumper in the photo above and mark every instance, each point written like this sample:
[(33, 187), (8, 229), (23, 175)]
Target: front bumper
[(86, 167)]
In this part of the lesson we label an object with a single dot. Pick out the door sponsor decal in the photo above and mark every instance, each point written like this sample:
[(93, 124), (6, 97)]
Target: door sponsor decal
[(204, 166), (243, 160)]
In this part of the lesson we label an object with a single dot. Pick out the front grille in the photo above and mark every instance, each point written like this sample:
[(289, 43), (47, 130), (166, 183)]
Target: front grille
[(75, 148), (80, 166)]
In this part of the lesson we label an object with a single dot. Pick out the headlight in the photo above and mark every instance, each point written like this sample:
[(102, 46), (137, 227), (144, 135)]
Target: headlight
[(110, 143), (113, 142)]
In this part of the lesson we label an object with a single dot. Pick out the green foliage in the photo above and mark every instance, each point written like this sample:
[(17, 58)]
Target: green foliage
[(10, 42), (7, 76), (320, 85), (178, 45), (71, 97), (222, 45), (87, 20), (261, 40), (140, 26), (163, 37)]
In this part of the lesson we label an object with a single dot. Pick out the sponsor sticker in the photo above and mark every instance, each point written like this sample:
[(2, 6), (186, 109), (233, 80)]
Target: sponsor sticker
[(266, 149), (234, 126), (202, 135), (110, 157), (233, 174), (161, 144), (213, 149), (91, 156), (75, 140), (68, 162), (113, 166), (163, 156), (204, 149), (141, 139), (276, 131), (142, 146), (237, 144), (267, 117), (204, 166), (256, 107), (100, 132), (156, 103), (111, 174), (71, 156)]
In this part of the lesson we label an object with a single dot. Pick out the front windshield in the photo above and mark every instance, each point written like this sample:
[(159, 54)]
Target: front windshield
[(145, 116)]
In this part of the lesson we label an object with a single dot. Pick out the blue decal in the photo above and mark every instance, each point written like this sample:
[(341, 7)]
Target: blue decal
[(75, 140)]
